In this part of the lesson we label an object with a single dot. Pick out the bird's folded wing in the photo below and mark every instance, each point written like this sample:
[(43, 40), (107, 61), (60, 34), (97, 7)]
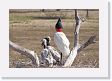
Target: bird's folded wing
[(61, 39)]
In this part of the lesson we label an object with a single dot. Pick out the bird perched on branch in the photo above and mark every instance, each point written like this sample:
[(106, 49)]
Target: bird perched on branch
[(61, 40), (49, 54)]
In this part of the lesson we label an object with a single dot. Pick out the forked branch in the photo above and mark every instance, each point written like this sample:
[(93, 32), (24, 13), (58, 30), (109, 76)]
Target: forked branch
[(76, 48)]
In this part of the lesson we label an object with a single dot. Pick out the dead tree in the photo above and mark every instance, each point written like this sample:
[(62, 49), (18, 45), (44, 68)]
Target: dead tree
[(23, 51), (77, 48)]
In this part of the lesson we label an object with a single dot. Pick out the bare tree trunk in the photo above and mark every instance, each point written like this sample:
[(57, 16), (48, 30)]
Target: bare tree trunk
[(77, 27), (30, 54), (71, 57), (73, 53), (76, 48)]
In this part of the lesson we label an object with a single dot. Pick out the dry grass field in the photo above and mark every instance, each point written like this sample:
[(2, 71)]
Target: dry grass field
[(27, 28)]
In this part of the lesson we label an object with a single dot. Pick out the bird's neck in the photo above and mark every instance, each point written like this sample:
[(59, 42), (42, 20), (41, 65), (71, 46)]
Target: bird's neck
[(47, 45), (59, 30)]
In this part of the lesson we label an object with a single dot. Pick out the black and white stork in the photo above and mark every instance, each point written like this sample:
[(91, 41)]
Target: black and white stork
[(61, 40)]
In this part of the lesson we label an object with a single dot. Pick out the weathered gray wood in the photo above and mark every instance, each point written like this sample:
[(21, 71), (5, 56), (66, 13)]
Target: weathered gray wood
[(77, 48), (90, 41), (30, 54), (71, 57), (77, 27), (73, 53)]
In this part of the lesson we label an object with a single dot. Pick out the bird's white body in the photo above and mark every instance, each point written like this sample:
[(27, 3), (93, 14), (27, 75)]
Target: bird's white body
[(62, 43)]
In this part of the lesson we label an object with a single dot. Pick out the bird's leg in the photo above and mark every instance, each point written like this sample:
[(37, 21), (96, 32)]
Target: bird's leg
[(61, 59), (61, 56), (60, 62)]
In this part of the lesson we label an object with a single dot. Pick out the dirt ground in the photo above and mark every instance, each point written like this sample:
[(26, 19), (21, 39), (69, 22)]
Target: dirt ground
[(28, 28)]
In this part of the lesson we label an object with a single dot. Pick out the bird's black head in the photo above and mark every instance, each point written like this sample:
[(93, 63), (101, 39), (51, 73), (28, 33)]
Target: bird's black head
[(58, 24), (46, 41)]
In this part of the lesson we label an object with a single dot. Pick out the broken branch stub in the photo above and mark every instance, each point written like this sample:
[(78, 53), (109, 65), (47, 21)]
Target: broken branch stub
[(23, 51)]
